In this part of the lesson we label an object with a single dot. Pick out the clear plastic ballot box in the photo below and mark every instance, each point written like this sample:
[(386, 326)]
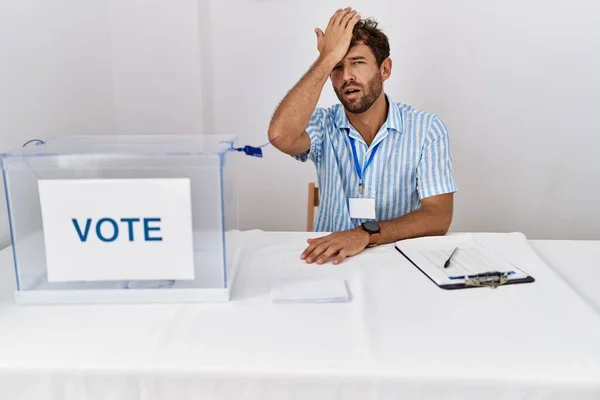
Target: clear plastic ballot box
[(123, 218)]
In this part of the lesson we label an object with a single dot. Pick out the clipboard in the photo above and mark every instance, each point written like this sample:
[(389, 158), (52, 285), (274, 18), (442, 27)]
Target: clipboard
[(472, 266)]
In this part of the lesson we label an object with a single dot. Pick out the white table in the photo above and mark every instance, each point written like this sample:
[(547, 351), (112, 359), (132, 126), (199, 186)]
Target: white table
[(577, 262), (399, 337)]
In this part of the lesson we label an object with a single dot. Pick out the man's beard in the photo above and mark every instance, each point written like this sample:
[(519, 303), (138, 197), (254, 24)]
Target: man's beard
[(369, 95)]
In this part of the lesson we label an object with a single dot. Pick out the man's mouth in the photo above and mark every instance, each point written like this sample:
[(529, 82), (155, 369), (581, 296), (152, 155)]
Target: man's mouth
[(351, 91)]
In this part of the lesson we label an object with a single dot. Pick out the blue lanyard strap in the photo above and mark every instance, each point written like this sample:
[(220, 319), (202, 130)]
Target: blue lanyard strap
[(360, 172)]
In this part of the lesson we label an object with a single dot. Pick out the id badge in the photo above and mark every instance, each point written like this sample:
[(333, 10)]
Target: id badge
[(362, 207)]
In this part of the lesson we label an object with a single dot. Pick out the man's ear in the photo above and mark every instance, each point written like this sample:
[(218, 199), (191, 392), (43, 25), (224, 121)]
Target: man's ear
[(386, 68)]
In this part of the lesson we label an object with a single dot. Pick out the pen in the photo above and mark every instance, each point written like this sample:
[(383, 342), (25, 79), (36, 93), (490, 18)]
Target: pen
[(447, 263)]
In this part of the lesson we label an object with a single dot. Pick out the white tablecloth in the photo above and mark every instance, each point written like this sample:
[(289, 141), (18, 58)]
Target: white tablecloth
[(577, 262), (399, 337)]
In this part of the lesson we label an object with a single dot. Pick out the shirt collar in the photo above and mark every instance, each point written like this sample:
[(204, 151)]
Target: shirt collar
[(393, 121)]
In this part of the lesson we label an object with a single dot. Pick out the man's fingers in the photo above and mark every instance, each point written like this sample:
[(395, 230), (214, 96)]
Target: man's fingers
[(320, 35), (340, 16), (316, 252), (340, 257), (353, 21), (333, 248), (347, 18), (318, 239), (312, 244), (309, 249), (332, 19)]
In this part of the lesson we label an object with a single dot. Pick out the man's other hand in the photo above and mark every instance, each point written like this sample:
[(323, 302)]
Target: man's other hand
[(339, 245)]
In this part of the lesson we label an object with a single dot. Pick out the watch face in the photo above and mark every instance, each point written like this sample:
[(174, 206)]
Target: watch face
[(371, 227)]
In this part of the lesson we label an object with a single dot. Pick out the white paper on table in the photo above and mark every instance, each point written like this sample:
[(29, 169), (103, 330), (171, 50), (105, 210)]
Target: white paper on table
[(309, 291)]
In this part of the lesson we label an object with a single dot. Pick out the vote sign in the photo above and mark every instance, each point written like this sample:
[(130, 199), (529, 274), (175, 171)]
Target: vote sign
[(117, 229)]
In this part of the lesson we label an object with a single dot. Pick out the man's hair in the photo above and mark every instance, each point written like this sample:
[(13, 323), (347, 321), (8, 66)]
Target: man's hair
[(366, 31)]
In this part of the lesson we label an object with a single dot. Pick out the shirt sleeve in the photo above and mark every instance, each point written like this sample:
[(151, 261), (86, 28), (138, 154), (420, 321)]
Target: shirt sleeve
[(316, 132), (435, 174)]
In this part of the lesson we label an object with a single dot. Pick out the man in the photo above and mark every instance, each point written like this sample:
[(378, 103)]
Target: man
[(384, 169)]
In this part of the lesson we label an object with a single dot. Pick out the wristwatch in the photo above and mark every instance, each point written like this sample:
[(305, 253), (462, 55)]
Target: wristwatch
[(372, 228)]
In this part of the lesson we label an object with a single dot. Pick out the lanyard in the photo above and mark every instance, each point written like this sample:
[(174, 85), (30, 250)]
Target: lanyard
[(360, 172)]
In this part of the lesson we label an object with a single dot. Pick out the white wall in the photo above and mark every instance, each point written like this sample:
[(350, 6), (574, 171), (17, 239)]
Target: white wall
[(96, 67), (54, 74), (155, 61), (516, 82)]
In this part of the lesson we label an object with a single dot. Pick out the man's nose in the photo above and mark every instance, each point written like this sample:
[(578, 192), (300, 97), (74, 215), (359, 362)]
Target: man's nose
[(347, 75)]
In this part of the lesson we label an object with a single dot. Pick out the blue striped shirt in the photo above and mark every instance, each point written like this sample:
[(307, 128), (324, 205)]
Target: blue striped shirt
[(412, 161)]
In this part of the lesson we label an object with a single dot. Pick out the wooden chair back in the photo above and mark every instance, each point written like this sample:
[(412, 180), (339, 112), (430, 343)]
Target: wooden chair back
[(313, 201)]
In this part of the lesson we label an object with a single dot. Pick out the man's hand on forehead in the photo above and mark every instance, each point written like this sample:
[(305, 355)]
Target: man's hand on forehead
[(333, 44)]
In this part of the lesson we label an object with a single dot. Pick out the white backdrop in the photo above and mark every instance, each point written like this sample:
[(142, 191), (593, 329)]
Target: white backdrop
[(515, 81), (98, 66)]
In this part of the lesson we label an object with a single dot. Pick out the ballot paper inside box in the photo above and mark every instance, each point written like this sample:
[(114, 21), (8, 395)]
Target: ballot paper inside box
[(123, 218)]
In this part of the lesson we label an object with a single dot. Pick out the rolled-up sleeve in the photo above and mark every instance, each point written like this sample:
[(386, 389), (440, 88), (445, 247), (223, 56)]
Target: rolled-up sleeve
[(316, 131), (435, 174)]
